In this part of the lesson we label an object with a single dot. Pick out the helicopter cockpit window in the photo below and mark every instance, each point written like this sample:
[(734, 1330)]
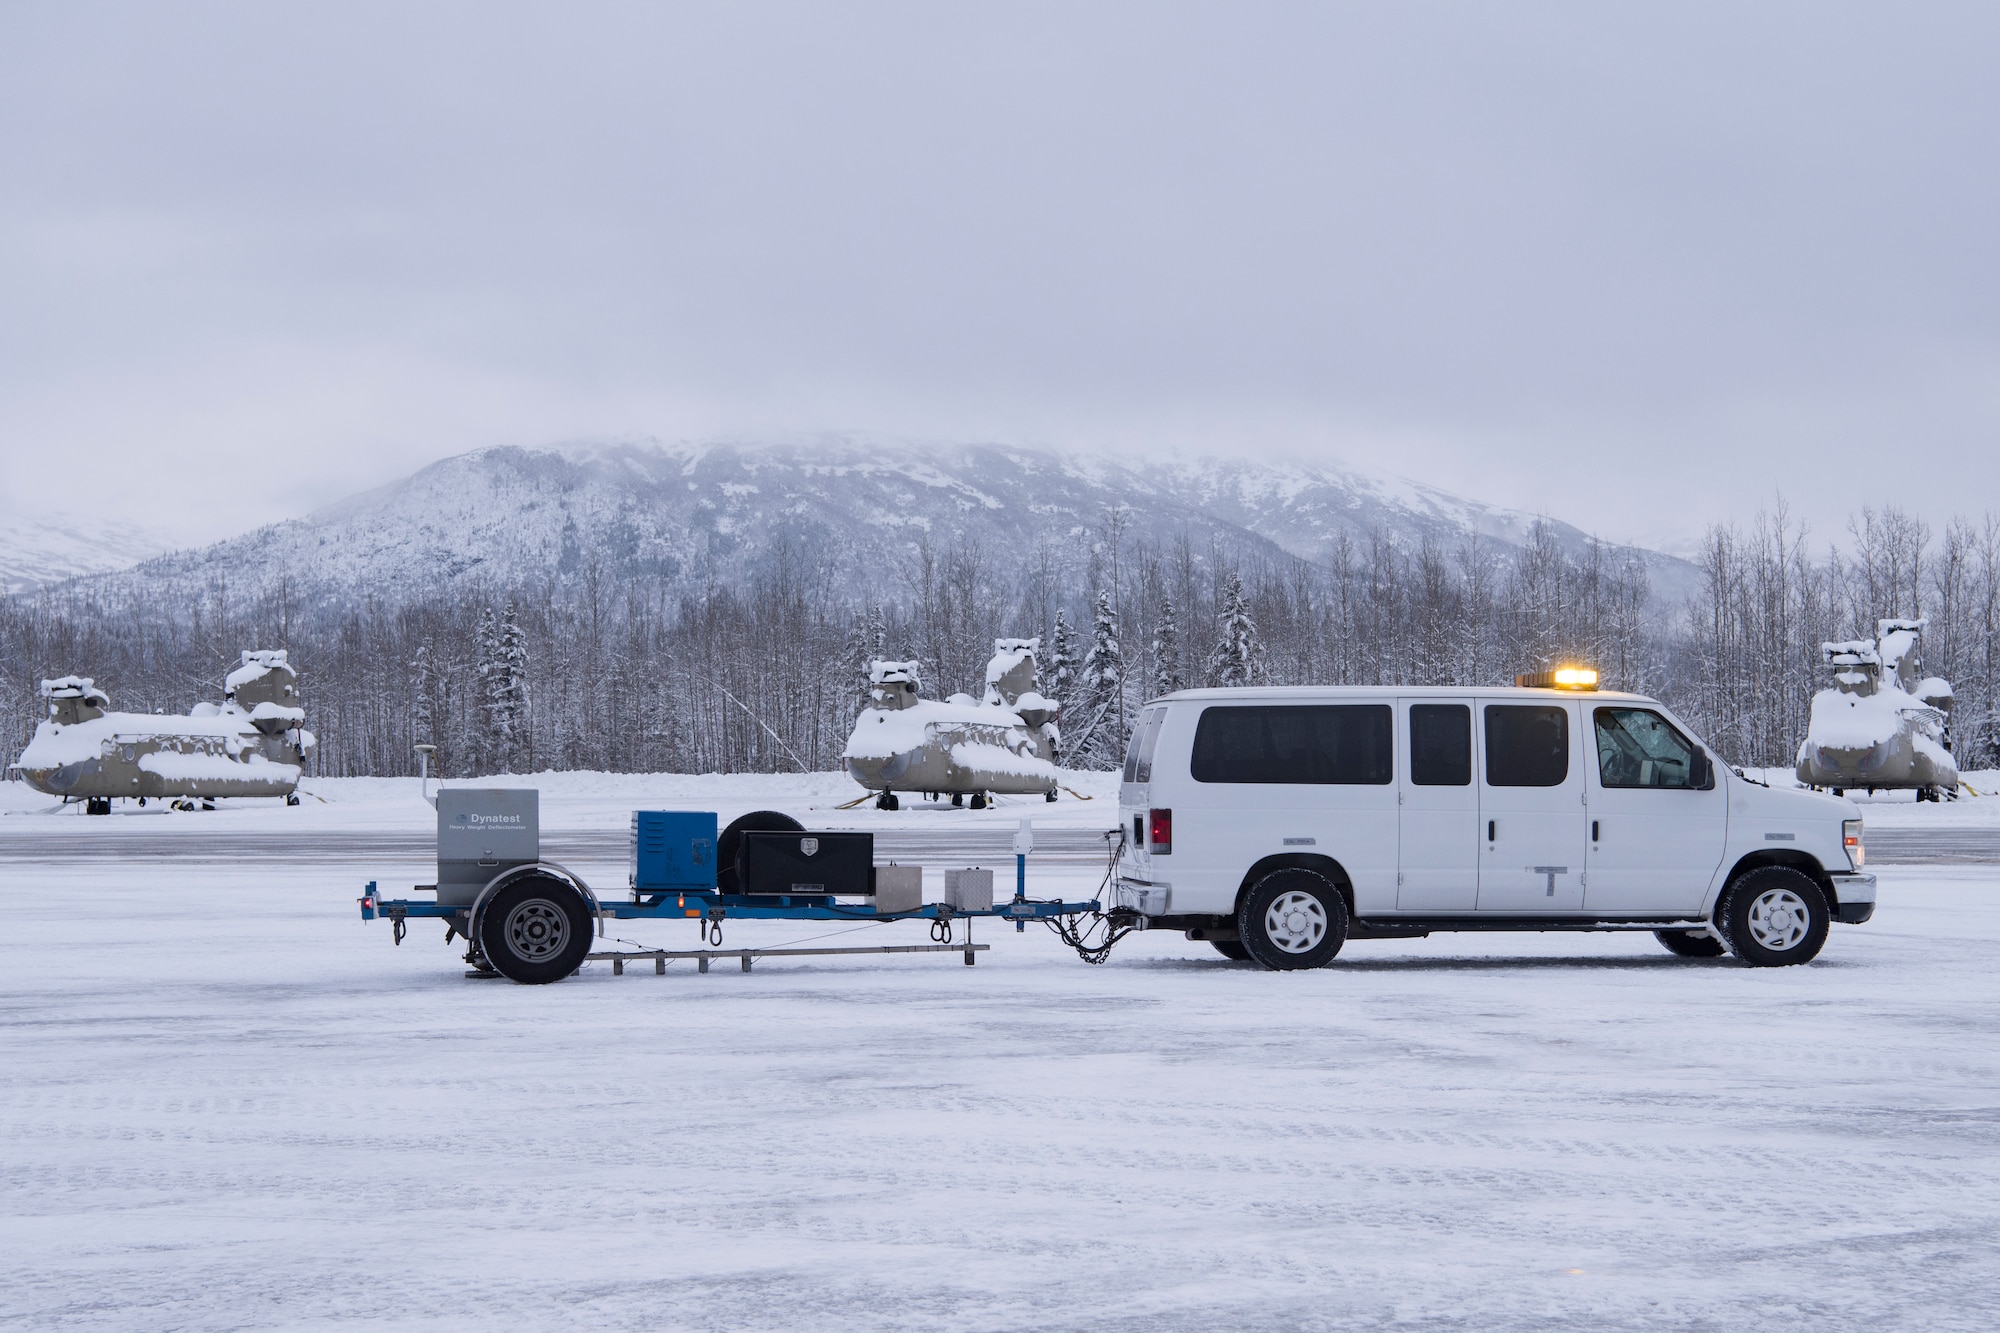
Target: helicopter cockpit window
[(1638, 748)]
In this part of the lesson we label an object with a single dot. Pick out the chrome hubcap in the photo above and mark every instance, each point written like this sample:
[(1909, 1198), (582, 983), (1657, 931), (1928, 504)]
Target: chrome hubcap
[(1295, 921), (1778, 919), (537, 929)]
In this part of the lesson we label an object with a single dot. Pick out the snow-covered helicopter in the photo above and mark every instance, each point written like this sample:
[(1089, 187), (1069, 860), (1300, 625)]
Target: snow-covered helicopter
[(1003, 743), (254, 743), (1882, 726)]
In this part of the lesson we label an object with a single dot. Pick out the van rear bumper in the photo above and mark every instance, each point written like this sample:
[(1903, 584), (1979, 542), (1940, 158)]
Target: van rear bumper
[(1146, 897), (1855, 895)]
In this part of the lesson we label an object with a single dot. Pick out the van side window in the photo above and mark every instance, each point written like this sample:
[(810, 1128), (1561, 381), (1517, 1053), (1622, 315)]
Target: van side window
[(1441, 745), (1343, 744), (1527, 745), (1636, 747), (1139, 754)]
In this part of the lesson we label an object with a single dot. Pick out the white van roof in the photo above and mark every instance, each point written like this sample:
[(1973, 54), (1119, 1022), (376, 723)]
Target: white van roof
[(1322, 693)]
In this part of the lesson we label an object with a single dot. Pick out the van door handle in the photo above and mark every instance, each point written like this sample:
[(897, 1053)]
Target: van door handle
[(1489, 830), (1593, 830)]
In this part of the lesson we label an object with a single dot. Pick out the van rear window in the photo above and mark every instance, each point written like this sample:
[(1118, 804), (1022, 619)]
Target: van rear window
[(1305, 744)]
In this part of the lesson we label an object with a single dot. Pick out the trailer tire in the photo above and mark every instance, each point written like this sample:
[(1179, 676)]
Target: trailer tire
[(729, 847), (1774, 916), (1691, 943), (535, 930), (1292, 919)]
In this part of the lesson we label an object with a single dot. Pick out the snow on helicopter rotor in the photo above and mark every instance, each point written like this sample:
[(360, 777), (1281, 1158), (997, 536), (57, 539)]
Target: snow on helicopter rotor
[(254, 743), (1004, 743), (1882, 727)]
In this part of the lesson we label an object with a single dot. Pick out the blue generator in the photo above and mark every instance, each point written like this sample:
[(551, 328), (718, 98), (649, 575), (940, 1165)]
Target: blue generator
[(673, 850)]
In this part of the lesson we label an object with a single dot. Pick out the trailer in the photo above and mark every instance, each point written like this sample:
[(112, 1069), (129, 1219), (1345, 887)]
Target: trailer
[(534, 921)]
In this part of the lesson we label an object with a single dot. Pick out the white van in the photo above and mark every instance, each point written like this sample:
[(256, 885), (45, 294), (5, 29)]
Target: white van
[(1277, 823)]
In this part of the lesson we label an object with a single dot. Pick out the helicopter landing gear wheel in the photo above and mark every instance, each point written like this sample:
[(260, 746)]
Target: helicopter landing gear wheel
[(1049, 796), (887, 801), (291, 798), (979, 800), (97, 805), (957, 800)]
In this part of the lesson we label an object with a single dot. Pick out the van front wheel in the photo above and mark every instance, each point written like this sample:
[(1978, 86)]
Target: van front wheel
[(1774, 916), (1292, 919)]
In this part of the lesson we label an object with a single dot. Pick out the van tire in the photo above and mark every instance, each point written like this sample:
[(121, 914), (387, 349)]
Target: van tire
[(1292, 919), (1774, 916), (1233, 950), (1691, 943)]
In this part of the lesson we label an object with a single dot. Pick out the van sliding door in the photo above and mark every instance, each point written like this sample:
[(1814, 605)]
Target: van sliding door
[(1531, 813)]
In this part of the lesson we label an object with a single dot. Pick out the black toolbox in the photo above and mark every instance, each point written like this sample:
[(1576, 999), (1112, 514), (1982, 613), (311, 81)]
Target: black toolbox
[(807, 864)]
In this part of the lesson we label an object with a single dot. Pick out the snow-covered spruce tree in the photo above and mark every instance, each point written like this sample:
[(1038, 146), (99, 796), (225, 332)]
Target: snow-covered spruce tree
[(1101, 695), (1238, 658), (486, 643), (503, 679), (1167, 650), (1060, 681), (423, 680), (514, 653), (855, 658)]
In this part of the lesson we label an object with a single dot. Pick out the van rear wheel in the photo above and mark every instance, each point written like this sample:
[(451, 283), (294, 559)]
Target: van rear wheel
[(1233, 950), (1691, 943), (1292, 919)]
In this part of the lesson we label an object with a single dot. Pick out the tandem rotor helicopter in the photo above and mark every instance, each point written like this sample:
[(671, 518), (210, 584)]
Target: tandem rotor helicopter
[(254, 743), (1884, 726), (1003, 744)]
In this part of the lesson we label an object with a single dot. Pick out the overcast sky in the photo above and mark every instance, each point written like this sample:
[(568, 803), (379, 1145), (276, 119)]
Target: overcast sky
[(1639, 267)]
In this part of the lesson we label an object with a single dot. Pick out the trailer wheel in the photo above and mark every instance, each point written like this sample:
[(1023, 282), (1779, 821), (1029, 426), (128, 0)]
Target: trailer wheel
[(1774, 916), (729, 847), (1292, 919), (535, 930), (1691, 943), (1233, 950)]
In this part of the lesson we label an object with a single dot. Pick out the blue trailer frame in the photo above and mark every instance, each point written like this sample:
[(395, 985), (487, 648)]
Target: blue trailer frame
[(713, 907)]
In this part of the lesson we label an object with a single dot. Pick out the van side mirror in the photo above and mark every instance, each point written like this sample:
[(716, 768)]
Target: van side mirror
[(1702, 776)]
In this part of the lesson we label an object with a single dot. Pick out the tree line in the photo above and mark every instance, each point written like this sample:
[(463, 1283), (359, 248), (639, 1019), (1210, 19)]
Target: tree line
[(609, 672)]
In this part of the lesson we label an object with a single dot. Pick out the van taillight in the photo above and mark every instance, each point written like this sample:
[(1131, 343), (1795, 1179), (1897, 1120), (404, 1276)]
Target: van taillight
[(1160, 832)]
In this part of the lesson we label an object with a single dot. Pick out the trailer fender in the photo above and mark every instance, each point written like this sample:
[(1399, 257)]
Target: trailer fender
[(553, 870)]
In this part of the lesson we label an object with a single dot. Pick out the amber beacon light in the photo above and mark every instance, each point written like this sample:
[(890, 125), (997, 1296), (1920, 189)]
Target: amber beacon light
[(1562, 678)]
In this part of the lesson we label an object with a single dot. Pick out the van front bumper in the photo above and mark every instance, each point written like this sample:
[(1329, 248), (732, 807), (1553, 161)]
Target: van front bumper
[(1146, 897), (1855, 894)]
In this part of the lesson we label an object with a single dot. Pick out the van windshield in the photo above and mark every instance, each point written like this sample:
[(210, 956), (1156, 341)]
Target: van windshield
[(1306, 744)]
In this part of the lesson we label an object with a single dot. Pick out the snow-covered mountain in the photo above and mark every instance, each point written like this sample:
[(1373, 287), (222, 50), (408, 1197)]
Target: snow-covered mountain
[(694, 515), (54, 547)]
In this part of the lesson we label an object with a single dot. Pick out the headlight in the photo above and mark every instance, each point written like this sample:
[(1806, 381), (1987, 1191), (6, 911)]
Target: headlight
[(1850, 837)]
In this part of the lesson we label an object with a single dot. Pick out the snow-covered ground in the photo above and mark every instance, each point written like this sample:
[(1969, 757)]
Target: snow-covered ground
[(225, 1102), (598, 801), (1978, 805)]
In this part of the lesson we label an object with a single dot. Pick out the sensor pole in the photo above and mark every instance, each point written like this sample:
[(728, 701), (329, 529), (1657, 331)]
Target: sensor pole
[(1024, 842), (424, 753)]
